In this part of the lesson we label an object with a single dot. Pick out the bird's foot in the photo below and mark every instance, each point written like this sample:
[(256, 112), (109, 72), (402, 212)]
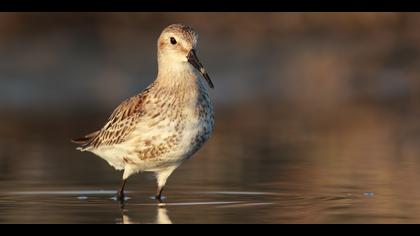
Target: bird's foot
[(121, 196), (159, 198)]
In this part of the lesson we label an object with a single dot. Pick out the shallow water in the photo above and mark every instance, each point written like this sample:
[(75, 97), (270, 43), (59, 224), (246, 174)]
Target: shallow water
[(359, 166), (283, 206)]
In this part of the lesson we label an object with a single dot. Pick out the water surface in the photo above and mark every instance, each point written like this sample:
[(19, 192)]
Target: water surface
[(359, 166)]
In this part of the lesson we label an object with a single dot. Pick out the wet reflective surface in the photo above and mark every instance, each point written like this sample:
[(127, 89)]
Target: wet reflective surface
[(361, 168)]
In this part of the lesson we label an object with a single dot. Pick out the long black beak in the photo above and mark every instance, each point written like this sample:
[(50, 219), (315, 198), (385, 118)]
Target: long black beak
[(193, 60)]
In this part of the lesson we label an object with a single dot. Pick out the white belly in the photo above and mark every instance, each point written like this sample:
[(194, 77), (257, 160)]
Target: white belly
[(179, 129), (165, 144)]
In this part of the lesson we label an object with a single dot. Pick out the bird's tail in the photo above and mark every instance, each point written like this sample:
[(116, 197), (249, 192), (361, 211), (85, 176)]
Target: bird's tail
[(85, 140)]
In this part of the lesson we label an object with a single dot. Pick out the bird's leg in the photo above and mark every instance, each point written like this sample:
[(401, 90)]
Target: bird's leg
[(161, 177), (121, 194), (159, 194)]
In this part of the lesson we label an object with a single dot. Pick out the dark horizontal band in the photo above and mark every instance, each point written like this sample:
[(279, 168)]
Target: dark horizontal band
[(214, 5)]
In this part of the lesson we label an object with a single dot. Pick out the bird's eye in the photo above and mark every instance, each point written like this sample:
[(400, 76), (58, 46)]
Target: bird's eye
[(173, 40)]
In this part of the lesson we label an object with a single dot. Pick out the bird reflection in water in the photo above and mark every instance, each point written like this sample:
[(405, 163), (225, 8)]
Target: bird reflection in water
[(161, 216)]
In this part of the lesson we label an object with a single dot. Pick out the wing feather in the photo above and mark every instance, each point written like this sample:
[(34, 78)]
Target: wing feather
[(119, 125)]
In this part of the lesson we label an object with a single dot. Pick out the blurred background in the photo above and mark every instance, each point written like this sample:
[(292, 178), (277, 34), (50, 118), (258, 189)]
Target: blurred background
[(311, 105)]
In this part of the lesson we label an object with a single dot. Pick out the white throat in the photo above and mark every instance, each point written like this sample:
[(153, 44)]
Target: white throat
[(174, 72)]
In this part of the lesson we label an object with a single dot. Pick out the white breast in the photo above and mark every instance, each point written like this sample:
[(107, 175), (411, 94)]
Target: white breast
[(183, 125)]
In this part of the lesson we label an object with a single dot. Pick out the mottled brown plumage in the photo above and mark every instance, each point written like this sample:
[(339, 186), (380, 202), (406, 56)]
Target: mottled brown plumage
[(120, 124), (166, 123)]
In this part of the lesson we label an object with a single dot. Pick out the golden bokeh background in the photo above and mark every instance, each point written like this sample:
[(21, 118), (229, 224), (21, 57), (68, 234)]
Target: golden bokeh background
[(316, 105)]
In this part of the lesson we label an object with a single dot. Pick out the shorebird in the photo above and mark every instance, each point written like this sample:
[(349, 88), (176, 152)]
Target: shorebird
[(166, 123)]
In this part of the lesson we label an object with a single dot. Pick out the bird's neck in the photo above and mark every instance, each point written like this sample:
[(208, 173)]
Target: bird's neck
[(178, 76), (181, 83)]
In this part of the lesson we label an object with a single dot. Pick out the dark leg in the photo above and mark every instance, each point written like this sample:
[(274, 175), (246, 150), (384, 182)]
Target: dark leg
[(121, 194), (159, 194)]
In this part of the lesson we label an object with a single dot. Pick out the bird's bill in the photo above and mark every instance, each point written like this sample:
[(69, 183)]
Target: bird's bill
[(193, 60)]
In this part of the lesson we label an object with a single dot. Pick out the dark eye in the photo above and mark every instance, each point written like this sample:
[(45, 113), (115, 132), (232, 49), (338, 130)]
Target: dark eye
[(173, 40)]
